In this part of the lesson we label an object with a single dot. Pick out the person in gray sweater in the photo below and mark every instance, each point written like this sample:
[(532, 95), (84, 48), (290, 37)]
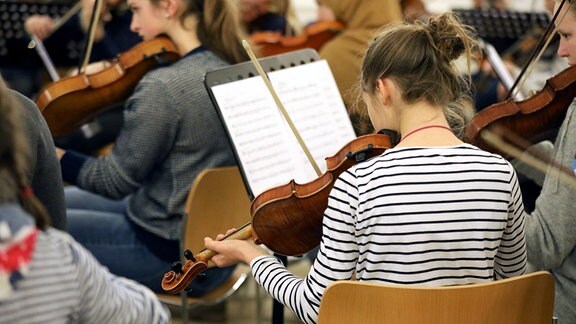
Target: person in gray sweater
[(127, 208), (43, 168), (551, 227)]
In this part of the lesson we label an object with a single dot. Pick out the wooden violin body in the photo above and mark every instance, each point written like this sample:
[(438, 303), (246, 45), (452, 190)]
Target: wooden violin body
[(287, 219), (299, 208), (314, 36), (534, 119), (70, 102)]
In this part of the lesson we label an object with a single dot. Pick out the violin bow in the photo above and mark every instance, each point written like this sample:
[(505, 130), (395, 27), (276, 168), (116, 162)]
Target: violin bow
[(91, 34), (283, 110), (533, 159), (58, 23), (499, 67), (38, 45), (539, 50)]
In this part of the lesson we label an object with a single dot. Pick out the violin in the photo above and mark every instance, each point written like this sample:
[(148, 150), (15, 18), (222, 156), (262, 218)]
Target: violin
[(314, 36), (535, 119), (287, 219), (70, 102)]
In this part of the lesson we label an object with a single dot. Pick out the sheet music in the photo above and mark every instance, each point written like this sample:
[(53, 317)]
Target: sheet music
[(267, 149)]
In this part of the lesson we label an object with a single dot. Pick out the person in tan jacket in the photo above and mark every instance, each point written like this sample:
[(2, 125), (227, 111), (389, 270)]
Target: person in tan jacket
[(344, 53)]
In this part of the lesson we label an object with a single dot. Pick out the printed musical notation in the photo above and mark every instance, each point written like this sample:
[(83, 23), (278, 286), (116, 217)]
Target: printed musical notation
[(269, 153)]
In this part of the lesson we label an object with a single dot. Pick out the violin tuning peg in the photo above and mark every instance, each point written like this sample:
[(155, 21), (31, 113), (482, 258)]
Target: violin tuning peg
[(201, 277), (189, 256), (177, 267)]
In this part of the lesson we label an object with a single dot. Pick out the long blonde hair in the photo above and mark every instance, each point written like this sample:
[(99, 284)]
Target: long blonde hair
[(419, 57)]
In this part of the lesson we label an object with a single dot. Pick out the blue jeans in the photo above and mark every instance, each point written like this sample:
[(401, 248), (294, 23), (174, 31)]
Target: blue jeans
[(126, 249)]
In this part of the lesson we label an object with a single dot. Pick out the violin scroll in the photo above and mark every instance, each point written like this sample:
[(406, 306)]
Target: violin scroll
[(181, 276)]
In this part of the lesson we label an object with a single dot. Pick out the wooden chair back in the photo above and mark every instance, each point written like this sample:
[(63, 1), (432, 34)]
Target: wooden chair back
[(217, 202), (520, 300)]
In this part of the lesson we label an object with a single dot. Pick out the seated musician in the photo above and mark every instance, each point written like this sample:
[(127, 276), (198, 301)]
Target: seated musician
[(344, 52), (264, 15), (488, 88), (388, 216), (46, 276), (128, 206), (112, 37), (551, 227)]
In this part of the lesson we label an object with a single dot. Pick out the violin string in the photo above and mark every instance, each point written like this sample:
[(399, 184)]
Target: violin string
[(95, 19), (495, 140)]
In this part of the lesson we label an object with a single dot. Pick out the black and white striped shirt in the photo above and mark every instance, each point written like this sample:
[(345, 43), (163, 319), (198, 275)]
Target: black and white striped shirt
[(65, 284), (432, 216)]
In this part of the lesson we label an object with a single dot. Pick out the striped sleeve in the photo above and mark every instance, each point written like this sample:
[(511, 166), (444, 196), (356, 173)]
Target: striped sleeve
[(511, 258), (336, 259), (106, 298)]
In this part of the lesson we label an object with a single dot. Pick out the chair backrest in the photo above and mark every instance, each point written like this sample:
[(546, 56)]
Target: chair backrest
[(520, 300), (217, 201)]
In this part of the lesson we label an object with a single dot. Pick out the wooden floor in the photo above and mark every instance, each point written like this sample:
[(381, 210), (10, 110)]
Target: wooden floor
[(243, 307)]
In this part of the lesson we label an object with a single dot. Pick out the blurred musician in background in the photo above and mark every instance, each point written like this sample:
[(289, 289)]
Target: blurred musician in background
[(265, 15), (361, 20), (112, 37)]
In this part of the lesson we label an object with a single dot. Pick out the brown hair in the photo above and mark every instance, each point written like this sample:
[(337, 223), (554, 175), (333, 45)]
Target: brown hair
[(14, 154), (219, 28), (419, 57)]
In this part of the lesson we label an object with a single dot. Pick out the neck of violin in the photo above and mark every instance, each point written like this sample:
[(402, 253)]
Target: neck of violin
[(243, 233)]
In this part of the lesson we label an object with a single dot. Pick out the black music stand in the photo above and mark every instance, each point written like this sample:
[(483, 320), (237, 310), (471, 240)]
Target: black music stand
[(244, 71), (502, 28)]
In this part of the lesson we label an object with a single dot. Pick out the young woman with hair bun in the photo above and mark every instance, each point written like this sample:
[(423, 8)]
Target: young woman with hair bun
[(431, 211)]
